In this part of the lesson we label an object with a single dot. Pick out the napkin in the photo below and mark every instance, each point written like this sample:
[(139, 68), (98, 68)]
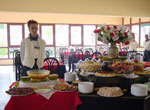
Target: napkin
[(46, 93)]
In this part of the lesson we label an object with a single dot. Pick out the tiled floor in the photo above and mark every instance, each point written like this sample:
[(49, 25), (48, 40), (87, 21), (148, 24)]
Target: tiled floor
[(7, 76)]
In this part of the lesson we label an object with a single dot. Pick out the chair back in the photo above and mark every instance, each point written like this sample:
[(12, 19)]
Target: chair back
[(18, 65), (96, 55), (79, 55), (53, 64), (89, 49), (47, 54), (87, 55), (65, 52)]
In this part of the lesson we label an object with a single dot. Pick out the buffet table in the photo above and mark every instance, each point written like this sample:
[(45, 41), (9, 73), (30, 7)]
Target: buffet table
[(125, 102), (58, 101)]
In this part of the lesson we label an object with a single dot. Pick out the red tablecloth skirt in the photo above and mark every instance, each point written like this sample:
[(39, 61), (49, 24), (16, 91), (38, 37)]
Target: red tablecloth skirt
[(58, 101), (147, 64)]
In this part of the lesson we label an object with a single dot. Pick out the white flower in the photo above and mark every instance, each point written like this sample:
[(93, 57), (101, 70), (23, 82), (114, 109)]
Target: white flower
[(115, 38), (104, 40)]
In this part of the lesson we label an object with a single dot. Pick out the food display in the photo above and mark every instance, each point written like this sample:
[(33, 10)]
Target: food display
[(25, 78), (90, 66), (38, 74), (64, 87), (38, 80), (53, 77), (110, 91), (106, 58), (105, 74), (122, 67), (138, 65), (21, 91), (142, 72)]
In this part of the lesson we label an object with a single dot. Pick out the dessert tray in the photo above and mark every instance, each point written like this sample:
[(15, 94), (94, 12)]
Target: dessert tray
[(21, 91), (105, 74), (64, 88), (110, 92)]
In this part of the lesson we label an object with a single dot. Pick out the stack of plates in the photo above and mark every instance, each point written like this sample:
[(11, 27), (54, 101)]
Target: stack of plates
[(139, 89), (85, 87)]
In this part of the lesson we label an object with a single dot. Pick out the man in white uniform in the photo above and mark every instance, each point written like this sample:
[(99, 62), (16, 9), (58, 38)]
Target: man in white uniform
[(133, 44), (32, 49), (147, 48)]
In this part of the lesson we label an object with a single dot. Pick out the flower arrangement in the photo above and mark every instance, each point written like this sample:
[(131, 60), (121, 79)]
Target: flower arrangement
[(113, 34)]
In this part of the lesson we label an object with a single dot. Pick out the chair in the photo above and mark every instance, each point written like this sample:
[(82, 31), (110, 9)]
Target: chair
[(79, 55), (87, 55), (14, 56), (89, 49), (53, 64), (18, 65), (63, 53), (96, 55), (47, 54)]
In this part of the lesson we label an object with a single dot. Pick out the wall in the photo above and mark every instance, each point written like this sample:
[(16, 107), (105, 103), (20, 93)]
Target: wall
[(16, 17), (137, 8)]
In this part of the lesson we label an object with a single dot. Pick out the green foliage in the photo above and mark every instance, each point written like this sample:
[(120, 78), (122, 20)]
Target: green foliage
[(2, 26), (3, 52)]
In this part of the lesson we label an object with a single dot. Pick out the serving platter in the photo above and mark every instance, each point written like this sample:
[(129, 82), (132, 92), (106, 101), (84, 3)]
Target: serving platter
[(109, 96), (64, 91), (20, 94), (64, 88)]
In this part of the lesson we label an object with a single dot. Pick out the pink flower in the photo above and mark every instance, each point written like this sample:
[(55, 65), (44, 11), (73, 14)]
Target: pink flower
[(127, 42), (115, 27), (108, 28), (118, 42), (112, 34), (97, 31), (125, 33)]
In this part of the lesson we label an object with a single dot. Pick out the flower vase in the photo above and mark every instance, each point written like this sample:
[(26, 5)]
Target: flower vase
[(113, 50)]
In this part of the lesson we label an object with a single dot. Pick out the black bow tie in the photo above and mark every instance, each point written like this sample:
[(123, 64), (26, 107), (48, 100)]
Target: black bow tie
[(33, 38)]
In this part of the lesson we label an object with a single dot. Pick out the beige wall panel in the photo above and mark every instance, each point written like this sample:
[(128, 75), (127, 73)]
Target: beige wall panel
[(135, 20), (58, 18), (139, 8), (145, 19), (127, 20)]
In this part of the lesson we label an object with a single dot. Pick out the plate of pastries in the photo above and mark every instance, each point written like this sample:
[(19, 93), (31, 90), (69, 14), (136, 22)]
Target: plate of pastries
[(110, 91), (20, 91), (64, 87)]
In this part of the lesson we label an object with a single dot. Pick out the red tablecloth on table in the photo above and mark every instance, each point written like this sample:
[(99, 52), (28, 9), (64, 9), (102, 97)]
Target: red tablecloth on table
[(77, 56), (147, 64), (58, 101), (54, 66)]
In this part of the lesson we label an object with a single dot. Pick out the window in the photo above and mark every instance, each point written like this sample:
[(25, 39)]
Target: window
[(62, 35), (51, 51), (89, 36), (15, 34), (47, 34), (75, 35), (135, 30), (3, 35), (145, 29), (11, 50), (3, 52), (26, 30)]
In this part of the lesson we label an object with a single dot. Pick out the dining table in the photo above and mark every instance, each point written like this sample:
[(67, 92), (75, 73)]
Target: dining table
[(62, 69), (94, 101), (147, 64), (67, 100)]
